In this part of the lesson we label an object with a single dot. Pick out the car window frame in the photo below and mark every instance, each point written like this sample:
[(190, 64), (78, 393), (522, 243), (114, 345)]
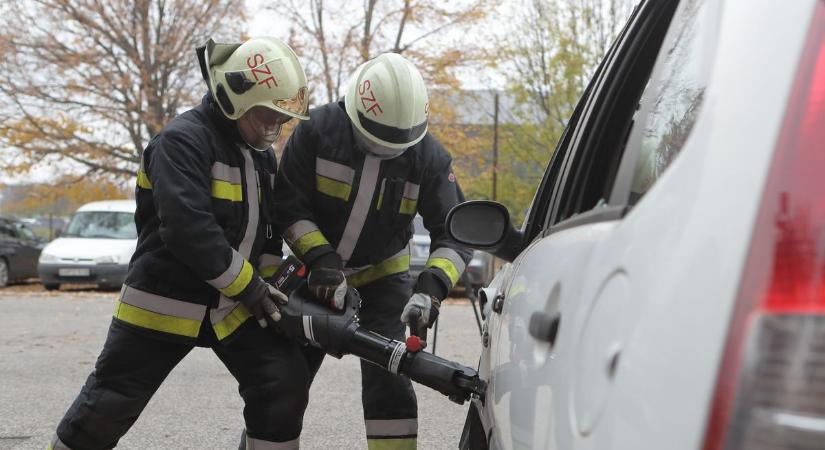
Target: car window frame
[(616, 64)]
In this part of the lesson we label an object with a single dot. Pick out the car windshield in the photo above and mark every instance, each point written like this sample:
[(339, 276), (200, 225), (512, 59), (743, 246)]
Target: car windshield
[(102, 224)]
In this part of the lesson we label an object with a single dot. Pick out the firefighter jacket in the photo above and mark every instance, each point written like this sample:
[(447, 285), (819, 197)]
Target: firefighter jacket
[(332, 197), (204, 221)]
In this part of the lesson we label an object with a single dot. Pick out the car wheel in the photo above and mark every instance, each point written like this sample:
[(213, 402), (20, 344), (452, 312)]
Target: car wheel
[(4, 272), (51, 286), (109, 287)]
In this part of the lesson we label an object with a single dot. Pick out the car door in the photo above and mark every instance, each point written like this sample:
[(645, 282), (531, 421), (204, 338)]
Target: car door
[(29, 251), (530, 389)]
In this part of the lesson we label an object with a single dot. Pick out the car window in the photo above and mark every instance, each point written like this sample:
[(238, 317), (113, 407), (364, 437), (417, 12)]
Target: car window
[(6, 231), (672, 99), (24, 232), (102, 224), (599, 145)]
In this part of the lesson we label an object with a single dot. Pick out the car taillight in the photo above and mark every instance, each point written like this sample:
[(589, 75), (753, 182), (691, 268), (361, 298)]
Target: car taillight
[(770, 391)]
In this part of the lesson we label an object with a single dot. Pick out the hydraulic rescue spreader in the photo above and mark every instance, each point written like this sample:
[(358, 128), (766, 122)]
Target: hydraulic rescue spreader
[(338, 333)]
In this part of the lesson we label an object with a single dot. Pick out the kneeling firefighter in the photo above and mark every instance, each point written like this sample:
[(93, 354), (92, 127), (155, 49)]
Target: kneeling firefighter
[(205, 222), (352, 179)]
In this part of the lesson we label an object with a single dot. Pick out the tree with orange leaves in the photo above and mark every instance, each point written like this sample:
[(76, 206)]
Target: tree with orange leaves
[(91, 82)]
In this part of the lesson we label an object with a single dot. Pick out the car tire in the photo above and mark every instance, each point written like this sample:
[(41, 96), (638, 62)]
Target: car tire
[(51, 286), (4, 273)]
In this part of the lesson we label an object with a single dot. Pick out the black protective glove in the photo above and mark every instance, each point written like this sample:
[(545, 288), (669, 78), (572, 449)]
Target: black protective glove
[(428, 284), (262, 300), (327, 282)]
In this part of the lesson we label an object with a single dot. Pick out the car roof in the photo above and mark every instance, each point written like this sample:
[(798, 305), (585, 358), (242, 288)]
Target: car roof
[(109, 205)]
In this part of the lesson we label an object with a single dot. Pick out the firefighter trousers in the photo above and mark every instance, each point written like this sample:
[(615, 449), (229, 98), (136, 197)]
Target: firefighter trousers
[(390, 406), (273, 376)]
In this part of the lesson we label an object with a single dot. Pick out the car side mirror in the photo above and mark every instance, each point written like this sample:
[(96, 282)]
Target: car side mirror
[(485, 225)]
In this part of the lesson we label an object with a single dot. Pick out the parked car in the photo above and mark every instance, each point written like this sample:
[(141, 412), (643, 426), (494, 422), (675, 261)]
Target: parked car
[(667, 288), (479, 270), (19, 250), (95, 248)]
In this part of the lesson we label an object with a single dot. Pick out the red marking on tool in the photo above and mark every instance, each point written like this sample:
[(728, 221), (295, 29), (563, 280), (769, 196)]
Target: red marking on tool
[(414, 344)]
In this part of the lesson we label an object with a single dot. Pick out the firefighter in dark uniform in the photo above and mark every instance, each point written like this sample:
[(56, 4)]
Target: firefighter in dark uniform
[(352, 179), (205, 222)]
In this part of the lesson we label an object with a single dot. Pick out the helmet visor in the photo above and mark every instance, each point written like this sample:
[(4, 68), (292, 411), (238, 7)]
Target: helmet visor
[(295, 106), (260, 126)]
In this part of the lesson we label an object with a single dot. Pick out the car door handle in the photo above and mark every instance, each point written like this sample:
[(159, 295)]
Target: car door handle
[(545, 326)]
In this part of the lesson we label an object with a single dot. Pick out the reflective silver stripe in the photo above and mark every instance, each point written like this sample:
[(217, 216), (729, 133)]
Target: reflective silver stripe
[(334, 171), (411, 190), (225, 307), (395, 358), (361, 207), (57, 444), (162, 305), (223, 172), (266, 260), (251, 203), (272, 180), (259, 444), (230, 274), (308, 328), (452, 256), (298, 229), (393, 427)]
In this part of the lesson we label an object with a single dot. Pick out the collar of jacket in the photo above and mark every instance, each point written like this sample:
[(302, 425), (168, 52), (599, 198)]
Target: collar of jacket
[(226, 127)]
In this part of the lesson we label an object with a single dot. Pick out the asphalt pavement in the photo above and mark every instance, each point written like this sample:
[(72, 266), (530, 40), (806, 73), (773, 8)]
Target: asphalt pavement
[(49, 342)]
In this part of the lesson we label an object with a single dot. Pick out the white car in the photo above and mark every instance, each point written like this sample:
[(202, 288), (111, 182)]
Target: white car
[(95, 248), (667, 290)]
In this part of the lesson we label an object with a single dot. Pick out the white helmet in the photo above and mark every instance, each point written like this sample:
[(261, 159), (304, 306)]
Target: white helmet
[(386, 101), (260, 72)]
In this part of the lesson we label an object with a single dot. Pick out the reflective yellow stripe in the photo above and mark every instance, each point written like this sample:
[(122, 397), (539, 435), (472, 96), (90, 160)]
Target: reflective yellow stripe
[(408, 206), (391, 266), (447, 266), (332, 188), (309, 241), (268, 271), (156, 321), (240, 282), (391, 444), (227, 191), (231, 322), (143, 180)]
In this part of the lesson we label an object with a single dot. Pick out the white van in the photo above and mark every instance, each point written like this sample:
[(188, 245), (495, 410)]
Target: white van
[(95, 248)]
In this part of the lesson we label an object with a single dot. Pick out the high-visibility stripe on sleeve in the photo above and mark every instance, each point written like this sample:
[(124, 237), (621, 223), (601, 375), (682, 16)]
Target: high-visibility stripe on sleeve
[(398, 263), (408, 206), (392, 444), (268, 264), (303, 235), (143, 181), (231, 321), (235, 278), (449, 261)]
